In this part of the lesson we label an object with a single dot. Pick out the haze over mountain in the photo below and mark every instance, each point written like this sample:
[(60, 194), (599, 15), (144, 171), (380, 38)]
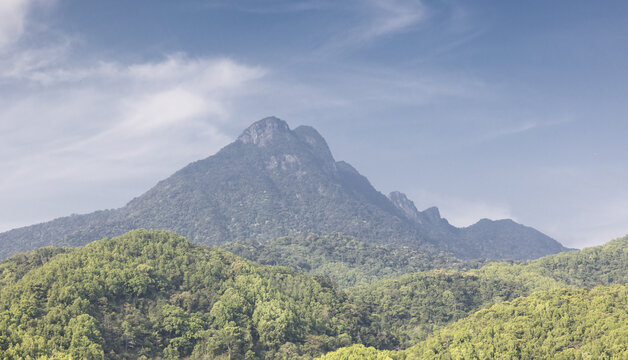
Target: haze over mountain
[(274, 181)]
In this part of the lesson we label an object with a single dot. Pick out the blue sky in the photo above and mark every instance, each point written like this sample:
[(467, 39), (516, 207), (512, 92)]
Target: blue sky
[(485, 109)]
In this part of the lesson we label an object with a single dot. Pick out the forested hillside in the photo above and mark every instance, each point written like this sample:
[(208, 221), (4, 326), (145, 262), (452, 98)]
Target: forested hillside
[(561, 324), (151, 295), (345, 259), (414, 305), (11, 270), (599, 265), (350, 261)]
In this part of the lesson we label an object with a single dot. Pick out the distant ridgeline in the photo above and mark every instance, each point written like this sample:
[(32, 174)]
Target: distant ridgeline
[(154, 295), (273, 182), (345, 259)]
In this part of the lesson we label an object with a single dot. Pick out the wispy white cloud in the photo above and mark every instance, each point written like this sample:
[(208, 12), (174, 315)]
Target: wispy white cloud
[(364, 20), (495, 128), (390, 17), (38, 64), (508, 129), (370, 20), (12, 19), (65, 129)]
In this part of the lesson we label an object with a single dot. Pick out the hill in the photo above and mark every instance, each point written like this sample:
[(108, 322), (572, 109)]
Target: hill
[(414, 305), (599, 265), (560, 324), (152, 294), (273, 182)]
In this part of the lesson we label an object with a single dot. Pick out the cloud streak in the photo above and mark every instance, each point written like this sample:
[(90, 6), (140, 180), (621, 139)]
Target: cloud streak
[(12, 20), (110, 124), (372, 20)]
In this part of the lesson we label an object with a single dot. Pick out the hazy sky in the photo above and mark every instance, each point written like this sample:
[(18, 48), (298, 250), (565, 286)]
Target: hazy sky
[(485, 109)]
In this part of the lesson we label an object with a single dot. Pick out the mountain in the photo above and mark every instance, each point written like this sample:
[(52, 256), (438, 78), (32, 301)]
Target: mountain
[(272, 182)]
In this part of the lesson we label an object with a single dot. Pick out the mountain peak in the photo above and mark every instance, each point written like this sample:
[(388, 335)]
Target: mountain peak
[(263, 131)]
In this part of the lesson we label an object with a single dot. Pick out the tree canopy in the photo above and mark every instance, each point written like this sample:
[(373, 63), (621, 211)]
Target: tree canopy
[(152, 294)]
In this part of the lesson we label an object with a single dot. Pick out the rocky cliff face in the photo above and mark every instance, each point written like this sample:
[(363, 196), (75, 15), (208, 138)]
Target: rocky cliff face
[(405, 205)]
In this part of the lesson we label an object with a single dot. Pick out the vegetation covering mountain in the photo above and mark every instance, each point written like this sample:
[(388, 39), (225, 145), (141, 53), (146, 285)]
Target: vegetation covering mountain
[(18, 265), (599, 265), (350, 261), (560, 324), (151, 294), (343, 258), (414, 305), (273, 182)]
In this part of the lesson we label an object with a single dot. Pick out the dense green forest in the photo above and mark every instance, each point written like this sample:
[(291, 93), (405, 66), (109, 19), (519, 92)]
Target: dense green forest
[(350, 261), (17, 266), (152, 294), (347, 260), (560, 324), (599, 265), (414, 305)]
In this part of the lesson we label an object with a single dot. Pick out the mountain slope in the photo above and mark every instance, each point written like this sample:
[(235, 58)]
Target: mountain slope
[(272, 182), (499, 239), (415, 305)]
